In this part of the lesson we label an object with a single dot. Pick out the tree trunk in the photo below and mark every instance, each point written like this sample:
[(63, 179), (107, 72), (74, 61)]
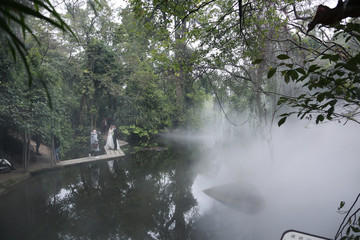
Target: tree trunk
[(179, 74), (26, 149), (81, 110), (52, 150), (24, 152)]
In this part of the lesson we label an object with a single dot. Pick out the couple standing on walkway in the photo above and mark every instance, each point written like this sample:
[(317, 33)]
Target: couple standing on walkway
[(111, 141)]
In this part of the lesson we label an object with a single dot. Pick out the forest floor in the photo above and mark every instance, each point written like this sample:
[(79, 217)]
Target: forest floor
[(42, 162)]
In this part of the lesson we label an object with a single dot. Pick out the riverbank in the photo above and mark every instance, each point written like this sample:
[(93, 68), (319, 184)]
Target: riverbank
[(42, 163)]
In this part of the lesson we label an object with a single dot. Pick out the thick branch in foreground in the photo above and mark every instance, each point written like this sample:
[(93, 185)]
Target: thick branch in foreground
[(328, 16)]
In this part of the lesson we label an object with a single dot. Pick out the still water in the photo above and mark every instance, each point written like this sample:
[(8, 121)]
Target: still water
[(144, 195), (158, 193)]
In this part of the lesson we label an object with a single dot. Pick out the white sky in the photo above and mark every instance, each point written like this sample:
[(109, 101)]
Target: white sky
[(329, 3), (119, 3)]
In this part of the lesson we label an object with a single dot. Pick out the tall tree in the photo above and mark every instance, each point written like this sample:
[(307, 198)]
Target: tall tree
[(228, 36), (143, 108), (94, 58)]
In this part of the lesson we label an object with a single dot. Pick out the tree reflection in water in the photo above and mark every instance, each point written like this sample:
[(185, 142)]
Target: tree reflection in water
[(149, 197)]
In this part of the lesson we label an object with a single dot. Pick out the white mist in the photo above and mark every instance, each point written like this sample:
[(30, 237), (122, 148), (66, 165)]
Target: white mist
[(301, 170)]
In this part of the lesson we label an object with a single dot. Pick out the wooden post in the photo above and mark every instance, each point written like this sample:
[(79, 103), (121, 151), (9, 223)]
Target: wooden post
[(52, 150), (26, 149)]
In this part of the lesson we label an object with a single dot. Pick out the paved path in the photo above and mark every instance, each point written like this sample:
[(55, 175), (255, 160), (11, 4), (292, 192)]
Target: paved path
[(9, 180), (110, 154)]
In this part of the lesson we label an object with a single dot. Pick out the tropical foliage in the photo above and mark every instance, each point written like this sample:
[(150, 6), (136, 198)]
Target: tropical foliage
[(330, 80), (152, 65)]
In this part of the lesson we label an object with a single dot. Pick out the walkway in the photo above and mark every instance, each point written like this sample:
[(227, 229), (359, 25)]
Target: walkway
[(9, 180), (110, 154)]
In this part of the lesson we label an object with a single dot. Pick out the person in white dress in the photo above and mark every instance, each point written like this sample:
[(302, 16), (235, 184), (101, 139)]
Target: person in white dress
[(110, 139)]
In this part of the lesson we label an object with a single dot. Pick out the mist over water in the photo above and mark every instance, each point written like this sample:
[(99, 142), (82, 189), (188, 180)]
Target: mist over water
[(301, 170)]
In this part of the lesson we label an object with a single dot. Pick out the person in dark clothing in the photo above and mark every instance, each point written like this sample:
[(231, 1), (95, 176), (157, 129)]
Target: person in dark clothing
[(57, 148), (38, 139), (103, 125), (109, 121), (115, 137)]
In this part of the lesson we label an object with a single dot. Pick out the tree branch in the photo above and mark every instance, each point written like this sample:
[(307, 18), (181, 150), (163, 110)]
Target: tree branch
[(342, 225)]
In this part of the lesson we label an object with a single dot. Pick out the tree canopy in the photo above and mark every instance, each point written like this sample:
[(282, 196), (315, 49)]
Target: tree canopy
[(153, 65)]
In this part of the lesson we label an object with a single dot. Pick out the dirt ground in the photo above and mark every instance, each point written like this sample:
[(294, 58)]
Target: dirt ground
[(10, 179)]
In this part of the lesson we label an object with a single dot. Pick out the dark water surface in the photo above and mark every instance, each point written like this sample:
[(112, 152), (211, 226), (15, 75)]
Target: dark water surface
[(151, 194), (145, 195)]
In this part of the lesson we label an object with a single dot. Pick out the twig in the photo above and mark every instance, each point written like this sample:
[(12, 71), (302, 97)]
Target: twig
[(222, 109), (342, 225)]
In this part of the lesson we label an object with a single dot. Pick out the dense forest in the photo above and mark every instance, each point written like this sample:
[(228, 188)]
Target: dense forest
[(151, 66)]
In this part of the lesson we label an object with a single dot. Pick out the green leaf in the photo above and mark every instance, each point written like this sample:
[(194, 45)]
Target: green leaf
[(283, 56), (301, 71), (282, 100), (332, 102), (301, 96), (271, 72), (294, 75), (320, 97), (282, 121), (287, 77), (330, 112), (257, 61), (319, 118), (302, 78), (342, 204), (335, 57), (313, 68)]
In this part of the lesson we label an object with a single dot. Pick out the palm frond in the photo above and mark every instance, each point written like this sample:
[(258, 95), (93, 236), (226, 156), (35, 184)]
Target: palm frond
[(13, 16)]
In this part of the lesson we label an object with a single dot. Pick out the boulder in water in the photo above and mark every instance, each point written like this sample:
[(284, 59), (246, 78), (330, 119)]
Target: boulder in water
[(240, 196)]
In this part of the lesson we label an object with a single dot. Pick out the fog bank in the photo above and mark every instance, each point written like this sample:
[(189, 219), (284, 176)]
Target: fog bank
[(301, 170)]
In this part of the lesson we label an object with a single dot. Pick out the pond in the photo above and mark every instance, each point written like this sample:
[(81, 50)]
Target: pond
[(158, 193)]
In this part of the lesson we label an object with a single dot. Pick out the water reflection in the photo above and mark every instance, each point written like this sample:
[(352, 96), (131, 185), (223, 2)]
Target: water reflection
[(111, 167), (158, 193), (150, 198), (95, 175), (241, 196)]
